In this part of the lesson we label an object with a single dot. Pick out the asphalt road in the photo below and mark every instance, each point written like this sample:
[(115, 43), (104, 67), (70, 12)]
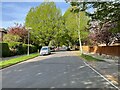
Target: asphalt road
[(58, 70)]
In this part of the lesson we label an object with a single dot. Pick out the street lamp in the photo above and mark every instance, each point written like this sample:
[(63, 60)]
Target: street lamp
[(28, 50)]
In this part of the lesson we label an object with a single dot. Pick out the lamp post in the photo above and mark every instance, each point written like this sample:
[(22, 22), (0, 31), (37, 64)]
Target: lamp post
[(28, 50)]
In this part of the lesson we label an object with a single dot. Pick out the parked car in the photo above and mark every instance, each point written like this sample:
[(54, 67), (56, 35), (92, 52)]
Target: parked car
[(45, 50), (57, 49)]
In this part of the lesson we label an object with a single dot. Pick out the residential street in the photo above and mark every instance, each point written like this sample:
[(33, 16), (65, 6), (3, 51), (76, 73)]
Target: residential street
[(59, 70)]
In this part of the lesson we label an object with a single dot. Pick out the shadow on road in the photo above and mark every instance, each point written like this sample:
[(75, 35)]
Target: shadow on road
[(55, 72)]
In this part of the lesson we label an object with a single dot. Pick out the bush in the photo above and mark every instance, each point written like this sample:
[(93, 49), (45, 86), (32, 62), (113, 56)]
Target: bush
[(4, 50), (24, 48), (13, 45), (33, 49), (17, 48)]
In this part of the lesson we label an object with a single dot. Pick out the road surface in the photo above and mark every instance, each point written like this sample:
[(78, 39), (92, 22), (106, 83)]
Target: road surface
[(58, 70)]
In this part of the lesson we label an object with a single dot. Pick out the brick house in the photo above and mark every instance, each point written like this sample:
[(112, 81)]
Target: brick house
[(2, 32)]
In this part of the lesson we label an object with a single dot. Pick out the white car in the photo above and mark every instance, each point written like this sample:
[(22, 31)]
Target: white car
[(45, 50)]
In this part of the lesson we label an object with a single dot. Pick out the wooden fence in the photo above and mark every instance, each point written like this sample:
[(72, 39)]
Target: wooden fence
[(108, 50)]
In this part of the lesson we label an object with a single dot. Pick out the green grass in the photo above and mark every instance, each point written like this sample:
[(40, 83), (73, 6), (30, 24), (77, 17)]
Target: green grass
[(10, 62), (90, 58)]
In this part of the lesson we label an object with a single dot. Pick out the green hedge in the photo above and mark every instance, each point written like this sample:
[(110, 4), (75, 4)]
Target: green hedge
[(4, 50), (22, 49), (33, 49), (17, 48)]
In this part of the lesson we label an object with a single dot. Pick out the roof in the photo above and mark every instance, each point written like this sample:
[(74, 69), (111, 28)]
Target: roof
[(3, 30)]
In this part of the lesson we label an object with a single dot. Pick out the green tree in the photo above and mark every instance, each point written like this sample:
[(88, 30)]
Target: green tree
[(104, 13), (71, 23), (44, 21), (11, 38), (61, 37)]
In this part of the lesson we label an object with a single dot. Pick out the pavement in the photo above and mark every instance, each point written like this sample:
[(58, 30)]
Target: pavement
[(59, 70), (109, 68)]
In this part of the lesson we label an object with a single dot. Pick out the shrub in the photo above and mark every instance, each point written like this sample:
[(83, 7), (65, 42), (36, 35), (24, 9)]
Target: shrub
[(5, 51), (13, 45), (22, 49), (33, 49), (17, 48)]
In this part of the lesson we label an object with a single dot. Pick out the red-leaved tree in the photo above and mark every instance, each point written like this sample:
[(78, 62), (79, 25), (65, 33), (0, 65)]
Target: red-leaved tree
[(19, 30), (101, 34)]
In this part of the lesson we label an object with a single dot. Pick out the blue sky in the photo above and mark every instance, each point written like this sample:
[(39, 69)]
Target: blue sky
[(15, 12)]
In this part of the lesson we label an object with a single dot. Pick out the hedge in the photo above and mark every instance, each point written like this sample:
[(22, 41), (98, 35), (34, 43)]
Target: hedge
[(4, 50), (17, 48)]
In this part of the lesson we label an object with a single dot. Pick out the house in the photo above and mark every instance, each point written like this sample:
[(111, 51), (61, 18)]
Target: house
[(2, 32)]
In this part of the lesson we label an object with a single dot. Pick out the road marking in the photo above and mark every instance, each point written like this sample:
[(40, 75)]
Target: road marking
[(101, 75)]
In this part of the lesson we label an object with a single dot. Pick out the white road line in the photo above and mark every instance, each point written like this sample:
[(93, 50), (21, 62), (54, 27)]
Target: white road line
[(101, 76)]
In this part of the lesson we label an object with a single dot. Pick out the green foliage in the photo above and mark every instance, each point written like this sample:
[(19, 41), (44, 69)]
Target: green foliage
[(52, 43), (104, 12), (11, 38), (17, 48), (107, 12), (71, 23), (22, 49), (33, 49), (44, 21), (13, 45), (4, 50)]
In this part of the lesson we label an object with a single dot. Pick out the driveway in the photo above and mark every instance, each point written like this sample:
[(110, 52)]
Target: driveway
[(58, 70)]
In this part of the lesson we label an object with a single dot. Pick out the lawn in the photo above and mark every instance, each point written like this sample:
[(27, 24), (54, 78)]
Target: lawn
[(90, 58), (10, 62)]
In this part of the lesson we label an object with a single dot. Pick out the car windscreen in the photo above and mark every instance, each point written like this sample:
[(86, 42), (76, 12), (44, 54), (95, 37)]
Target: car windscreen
[(44, 48)]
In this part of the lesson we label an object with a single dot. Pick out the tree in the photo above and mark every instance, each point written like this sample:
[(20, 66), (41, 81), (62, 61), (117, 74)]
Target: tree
[(20, 31), (11, 38), (76, 8), (104, 13), (108, 16), (44, 21), (71, 24), (101, 35)]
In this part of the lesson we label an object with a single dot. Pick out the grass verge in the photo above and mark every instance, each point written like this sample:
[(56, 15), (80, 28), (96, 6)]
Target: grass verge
[(90, 58), (7, 63)]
